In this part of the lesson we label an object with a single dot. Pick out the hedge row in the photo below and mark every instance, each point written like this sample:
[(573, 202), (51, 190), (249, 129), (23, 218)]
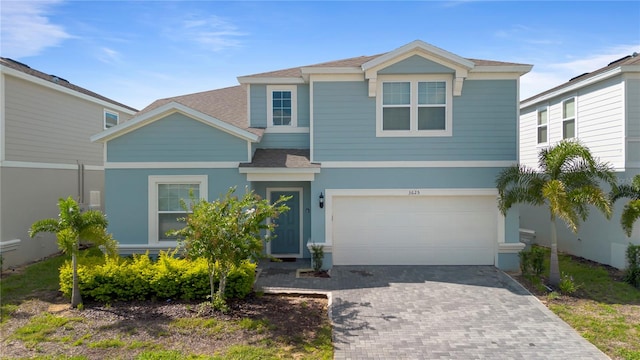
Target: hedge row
[(141, 278)]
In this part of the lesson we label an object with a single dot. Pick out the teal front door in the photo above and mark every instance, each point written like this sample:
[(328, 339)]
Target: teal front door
[(287, 231)]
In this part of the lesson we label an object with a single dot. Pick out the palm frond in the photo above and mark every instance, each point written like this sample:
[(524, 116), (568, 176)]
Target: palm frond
[(631, 191), (518, 184), (630, 214), (591, 195), (44, 225)]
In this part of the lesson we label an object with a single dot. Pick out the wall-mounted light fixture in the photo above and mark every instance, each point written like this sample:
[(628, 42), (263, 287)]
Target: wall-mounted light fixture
[(321, 200)]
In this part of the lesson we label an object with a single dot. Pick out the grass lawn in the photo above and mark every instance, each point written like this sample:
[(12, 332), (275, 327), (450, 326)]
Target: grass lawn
[(37, 323), (604, 309)]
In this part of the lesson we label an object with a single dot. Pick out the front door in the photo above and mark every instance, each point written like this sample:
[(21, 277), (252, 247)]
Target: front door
[(287, 232)]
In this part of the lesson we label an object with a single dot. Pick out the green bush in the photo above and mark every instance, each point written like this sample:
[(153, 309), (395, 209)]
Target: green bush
[(532, 261), (567, 285), (141, 278), (632, 273)]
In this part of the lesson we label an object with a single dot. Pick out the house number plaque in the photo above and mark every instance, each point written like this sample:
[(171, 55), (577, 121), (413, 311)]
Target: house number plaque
[(414, 192)]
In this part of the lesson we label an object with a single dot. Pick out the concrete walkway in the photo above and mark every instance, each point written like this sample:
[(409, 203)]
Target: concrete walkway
[(433, 312)]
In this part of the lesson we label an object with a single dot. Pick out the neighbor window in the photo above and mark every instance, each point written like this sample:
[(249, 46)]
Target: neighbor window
[(569, 118), (110, 119), (281, 106), (415, 108), (167, 194), (542, 126)]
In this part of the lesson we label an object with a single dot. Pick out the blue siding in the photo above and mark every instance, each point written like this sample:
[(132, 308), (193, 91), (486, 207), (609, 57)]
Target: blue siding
[(261, 189), (404, 178), (484, 126), (416, 65), (284, 141), (176, 138), (127, 199), (259, 105)]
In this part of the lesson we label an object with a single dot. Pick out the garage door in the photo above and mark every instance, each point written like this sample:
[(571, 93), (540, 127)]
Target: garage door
[(414, 230)]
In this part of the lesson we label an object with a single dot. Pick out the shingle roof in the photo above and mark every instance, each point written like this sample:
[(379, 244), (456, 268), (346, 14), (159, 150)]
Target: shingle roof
[(281, 158), (16, 65), (226, 104), (633, 59), (355, 62)]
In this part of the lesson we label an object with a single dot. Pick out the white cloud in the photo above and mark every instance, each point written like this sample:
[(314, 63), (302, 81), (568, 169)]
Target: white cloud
[(109, 56), (26, 30), (545, 76), (213, 32)]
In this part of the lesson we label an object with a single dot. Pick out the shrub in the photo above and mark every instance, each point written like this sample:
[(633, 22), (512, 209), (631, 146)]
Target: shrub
[(632, 273), (317, 255), (532, 261), (140, 278), (567, 285)]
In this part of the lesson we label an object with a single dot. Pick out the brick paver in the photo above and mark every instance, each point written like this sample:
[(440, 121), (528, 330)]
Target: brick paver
[(433, 312)]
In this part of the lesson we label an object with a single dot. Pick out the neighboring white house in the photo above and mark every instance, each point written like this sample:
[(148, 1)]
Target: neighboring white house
[(602, 110), (45, 153)]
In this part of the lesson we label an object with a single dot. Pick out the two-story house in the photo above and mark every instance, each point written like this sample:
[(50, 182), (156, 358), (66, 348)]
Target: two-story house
[(602, 110), (389, 159), (46, 154)]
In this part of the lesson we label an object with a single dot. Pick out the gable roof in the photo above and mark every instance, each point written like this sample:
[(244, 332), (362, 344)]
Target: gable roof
[(627, 63), (58, 81)]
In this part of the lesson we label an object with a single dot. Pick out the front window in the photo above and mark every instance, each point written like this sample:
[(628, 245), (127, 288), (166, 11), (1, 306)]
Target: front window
[(166, 195), (110, 119), (170, 209), (569, 118), (542, 126), (415, 108), (281, 106)]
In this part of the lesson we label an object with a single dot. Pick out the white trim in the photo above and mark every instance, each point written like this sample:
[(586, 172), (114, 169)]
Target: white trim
[(39, 165), (414, 48), (270, 80), (9, 245), (286, 130), (473, 75), (166, 110), (173, 165), (259, 170), (413, 80), (248, 105), (329, 194), (56, 87), (311, 70), (2, 118), (300, 192), (153, 182), (418, 164), (510, 248), (575, 116), (547, 125), (311, 121), (104, 118), (280, 177), (515, 70), (249, 152), (571, 87), (294, 106)]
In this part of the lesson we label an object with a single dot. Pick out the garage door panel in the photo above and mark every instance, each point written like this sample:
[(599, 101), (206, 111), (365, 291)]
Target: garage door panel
[(421, 230)]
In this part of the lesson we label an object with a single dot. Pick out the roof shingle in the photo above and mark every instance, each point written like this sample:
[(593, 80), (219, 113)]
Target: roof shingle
[(281, 158)]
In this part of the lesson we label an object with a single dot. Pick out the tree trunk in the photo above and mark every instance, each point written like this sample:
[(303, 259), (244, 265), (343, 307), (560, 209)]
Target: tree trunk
[(76, 299), (212, 284), (223, 284), (554, 264)]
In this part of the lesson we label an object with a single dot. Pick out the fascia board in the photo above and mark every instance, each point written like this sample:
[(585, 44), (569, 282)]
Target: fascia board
[(419, 45), (15, 73), (270, 80), (165, 110)]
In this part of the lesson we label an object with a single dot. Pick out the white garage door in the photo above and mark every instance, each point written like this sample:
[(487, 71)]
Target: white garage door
[(414, 230)]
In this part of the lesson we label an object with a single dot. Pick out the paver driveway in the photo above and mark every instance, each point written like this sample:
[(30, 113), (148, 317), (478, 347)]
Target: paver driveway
[(434, 312)]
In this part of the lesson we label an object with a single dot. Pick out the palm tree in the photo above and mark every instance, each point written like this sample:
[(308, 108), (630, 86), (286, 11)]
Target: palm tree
[(567, 181), (70, 228), (631, 211)]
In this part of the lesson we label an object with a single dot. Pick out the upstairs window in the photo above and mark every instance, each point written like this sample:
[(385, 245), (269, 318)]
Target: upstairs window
[(415, 108), (569, 118), (110, 119), (281, 106), (543, 122)]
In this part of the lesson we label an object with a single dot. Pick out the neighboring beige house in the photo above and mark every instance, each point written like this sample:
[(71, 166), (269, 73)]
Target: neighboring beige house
[(45, 153), (602, 110)]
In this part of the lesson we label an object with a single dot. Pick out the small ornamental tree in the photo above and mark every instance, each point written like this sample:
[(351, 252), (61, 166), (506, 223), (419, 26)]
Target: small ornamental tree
[(227, 232), (567, 183), (72, 226)]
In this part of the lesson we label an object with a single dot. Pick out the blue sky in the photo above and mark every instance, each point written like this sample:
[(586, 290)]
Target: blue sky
[(138, 51)]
